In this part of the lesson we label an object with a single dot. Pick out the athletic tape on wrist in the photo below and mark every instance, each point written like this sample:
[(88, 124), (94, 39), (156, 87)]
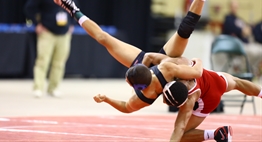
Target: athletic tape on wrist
[(82, 20)]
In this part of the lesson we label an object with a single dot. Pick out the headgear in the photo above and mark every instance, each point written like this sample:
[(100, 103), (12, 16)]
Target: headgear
[(175, 93)]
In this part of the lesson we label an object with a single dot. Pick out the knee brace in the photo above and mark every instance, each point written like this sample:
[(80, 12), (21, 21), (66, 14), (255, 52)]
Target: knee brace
[(188, 24)]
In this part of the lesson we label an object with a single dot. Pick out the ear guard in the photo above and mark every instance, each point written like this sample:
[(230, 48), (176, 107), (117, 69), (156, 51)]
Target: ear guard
[(139, 86), (175, 93)]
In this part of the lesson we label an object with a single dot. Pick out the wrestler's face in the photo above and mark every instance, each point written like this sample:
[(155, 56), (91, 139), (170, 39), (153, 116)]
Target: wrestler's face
[(128, 82), (164, 100)]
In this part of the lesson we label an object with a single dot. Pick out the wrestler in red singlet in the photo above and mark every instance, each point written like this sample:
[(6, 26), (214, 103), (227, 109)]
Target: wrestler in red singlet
[(212, 86)]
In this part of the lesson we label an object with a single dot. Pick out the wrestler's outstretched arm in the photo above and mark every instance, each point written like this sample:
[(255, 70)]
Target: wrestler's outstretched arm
[(183, 117), (177, 43), (132, 105), (121, 51)]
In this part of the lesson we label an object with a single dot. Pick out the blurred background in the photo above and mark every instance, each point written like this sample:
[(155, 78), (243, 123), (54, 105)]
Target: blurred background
[(146, 24)]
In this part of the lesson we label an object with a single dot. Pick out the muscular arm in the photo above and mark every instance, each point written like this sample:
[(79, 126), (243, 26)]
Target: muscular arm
[(133, 104), (121, 106), (183, 117), (153, 58), (183, 71), (157, 58)]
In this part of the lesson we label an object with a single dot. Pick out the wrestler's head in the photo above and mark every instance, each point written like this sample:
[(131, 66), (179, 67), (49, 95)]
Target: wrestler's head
[(139, 76), (175, 93)]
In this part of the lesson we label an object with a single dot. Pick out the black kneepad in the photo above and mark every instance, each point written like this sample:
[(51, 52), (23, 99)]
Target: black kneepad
[(188, 24)]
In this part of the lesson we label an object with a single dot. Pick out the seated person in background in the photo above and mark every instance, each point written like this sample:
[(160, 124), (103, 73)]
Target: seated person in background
[(234, 25), (257, 32)]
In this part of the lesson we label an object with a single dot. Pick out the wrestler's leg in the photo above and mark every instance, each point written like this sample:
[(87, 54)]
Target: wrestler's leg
[(121, 51), (176, 45), (245, 86), (198, 135), (191, 133)]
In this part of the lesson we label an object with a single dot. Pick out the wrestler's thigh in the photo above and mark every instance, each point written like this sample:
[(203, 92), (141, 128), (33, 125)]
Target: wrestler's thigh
[(175, 46), (194, 122), (121, 51), (230, 80)]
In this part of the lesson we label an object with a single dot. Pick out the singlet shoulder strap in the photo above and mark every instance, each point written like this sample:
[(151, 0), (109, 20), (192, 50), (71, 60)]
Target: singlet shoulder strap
[(159, 75), (143, 98)]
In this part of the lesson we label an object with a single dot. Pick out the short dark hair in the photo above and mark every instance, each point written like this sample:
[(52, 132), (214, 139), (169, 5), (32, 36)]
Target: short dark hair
[(175, 93), (139, 76)]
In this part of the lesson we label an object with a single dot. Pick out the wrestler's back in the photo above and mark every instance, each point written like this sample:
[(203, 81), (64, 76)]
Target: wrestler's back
[(179, 61)]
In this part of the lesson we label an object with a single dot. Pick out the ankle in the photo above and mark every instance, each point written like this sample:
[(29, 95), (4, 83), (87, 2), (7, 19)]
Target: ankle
[(77, 15), (209, 134)]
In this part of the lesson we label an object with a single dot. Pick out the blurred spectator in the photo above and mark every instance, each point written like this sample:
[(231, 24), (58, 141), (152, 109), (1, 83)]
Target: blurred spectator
[(54, 29), (234, 25), (257, 33)]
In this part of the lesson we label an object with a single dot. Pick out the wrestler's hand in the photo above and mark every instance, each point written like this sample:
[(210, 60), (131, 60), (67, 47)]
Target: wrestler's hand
[(195, 60), (99, 98)]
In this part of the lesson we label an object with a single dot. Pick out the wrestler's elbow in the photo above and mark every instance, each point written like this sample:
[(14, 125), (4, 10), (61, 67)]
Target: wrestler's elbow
[(147, 60), (199, 73), (130, 109)]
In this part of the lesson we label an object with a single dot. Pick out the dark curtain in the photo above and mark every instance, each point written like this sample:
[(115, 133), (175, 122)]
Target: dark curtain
[(129, 16), (133, 17), (98, 10), (11, 11)]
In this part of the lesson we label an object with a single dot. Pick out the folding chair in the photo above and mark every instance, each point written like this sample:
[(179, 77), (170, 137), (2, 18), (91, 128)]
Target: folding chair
[(228, 55)]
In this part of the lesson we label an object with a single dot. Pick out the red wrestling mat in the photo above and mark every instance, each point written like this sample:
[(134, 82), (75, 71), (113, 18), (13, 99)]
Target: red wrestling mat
[(124, 128)]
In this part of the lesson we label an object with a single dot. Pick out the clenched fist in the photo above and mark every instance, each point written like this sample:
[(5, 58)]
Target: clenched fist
[(99, 98)]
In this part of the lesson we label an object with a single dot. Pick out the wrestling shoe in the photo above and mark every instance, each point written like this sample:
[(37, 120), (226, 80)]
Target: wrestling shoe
[(55, 93), (223, 134), (69, 5), (38, 93)]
